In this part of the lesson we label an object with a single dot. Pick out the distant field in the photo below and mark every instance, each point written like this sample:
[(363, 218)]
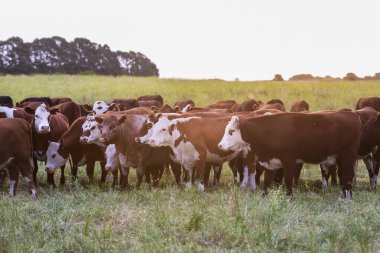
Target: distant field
[(80, 217)]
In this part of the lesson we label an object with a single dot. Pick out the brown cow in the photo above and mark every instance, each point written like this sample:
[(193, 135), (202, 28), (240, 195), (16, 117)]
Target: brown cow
[(48, 125), (247, 106), (16, 113), (70, 109), (325, 138), (300, 106), (149, 103), (151, 97), (126, 104), (188, 103), (223, 104), (16, 153), (373, 102), (59, 100)]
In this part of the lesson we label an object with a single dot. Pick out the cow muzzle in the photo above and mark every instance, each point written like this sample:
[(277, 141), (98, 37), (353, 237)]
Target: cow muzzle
[(83, 139), (44, 129)]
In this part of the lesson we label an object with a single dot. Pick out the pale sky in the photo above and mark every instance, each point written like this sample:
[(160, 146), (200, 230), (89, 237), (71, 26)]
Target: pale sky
[(227, 39)]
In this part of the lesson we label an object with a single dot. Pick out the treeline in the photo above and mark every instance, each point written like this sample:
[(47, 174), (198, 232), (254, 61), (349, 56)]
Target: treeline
[(308, 77), (56, 55)]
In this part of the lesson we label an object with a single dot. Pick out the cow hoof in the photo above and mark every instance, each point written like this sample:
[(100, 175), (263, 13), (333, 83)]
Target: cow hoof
[(201, 187), (346, 195), (33, 194), (188, 185)]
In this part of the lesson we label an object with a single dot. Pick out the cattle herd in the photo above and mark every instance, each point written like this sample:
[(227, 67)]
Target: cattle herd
[(150, 136)]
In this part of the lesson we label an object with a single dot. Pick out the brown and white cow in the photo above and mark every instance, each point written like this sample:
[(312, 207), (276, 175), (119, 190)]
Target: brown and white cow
[(323, 138), (100, 107), (16, 153), (185, 105), (16, 113), (48, 126)]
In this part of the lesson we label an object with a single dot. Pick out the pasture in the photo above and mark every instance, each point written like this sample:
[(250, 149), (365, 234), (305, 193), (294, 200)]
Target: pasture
[(83, 217)]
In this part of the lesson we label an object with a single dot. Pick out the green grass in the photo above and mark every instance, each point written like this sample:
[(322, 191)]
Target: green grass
[(83, 217)]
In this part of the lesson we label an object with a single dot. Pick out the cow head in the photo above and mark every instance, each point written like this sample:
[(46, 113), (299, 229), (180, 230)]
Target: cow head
[(232, 139), (42, 116), (55, 157), (91, 130), (101, 107), (161, 133), (112, 158), (110, 127), (146, 130)]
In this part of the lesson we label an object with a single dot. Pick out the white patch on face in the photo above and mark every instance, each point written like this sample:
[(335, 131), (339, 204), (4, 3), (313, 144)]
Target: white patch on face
[(272, 164), (252, 181), (232, 140), (201, 187), (53, 159), (8, 111), (112, 158), (41, 120), (4, 164), (100, 107), (12, 184), (244, 182), (95, 134), (160, 133)]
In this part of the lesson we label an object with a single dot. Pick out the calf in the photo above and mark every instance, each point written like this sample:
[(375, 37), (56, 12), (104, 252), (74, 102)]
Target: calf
[(300, 106), (373, 102), (48, 125), (312, 138), (81, 154), (16, 153), (6, 101)]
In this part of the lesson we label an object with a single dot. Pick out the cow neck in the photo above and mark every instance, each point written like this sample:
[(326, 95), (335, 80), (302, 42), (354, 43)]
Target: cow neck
[(71, 137)]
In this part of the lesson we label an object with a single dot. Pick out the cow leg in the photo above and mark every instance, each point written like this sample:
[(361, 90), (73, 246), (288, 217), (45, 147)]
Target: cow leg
[(147, 173), (50, 179), (259, 171), (332, 171), (370, 165), (200, 170), (346, 172), (268, 180), (35, 170), (90, 170), (62, 180), (252, 175), (206, 177), (74, 172), (355, 172), (176, 169), (28, 179), (157, 174), (124, 173), (217, 173), (288, 177), (114, 178), (325, 175), (297, 173), (279, 176), (244, 182), (13, 179), (103, 176), (140, 174)]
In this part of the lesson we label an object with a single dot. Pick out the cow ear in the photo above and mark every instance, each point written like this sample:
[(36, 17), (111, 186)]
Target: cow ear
[(113, 107), (29, 110), (87, 108), (155, 109), (177, 109), (158, 116), (99, 120), (122, 119), (54, 110), (235, 120), (171, 129)]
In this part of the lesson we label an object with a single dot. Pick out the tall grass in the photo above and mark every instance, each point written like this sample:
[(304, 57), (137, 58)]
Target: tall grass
[(83, 217)]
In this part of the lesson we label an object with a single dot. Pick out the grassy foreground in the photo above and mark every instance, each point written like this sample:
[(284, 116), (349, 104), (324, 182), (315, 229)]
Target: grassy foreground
[(80, 217)]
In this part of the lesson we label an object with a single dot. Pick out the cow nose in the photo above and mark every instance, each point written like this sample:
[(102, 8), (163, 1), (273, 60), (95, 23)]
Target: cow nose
[(83, 139), (45, 128), (220, 146)]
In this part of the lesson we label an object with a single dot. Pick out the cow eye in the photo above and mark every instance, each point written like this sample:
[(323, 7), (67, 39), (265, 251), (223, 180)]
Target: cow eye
[(231, 131), (163, 130), (36, 116), (149, 126), (54, 155), (93, 128), (99, 108), (112, 127)]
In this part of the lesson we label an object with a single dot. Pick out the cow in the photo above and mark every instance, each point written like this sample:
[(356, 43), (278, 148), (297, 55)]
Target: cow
[(26, 102), (101, 107), (150, 103), (81, 154), (319, 138), (6, 101), (193, 141), (300, 106), (48, 125), (151, 97), (59, 100), (373, 102), (275, 101), (223, 104), (185, 105), (16, 153), (166, 109), (126, 104), (272, 106), (70, 109), (246, 106), (16, 113)]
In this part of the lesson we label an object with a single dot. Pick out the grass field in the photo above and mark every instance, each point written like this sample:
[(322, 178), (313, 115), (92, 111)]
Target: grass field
[(83, 217)]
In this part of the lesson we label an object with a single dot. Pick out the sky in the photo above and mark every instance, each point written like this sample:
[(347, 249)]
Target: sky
[(226, 39)]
